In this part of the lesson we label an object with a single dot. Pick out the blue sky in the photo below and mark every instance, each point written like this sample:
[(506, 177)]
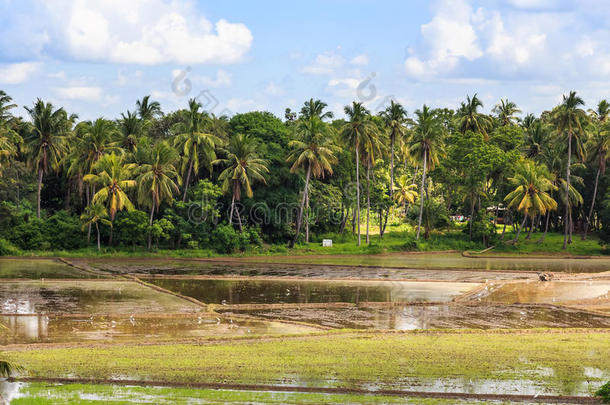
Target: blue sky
[(96, 58)]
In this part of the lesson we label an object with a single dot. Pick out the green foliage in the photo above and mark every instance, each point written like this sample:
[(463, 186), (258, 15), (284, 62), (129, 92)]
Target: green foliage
[(131, 227), (7, 248), (604, 393)]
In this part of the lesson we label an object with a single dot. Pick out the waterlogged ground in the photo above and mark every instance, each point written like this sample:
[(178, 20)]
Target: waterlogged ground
[(436, 317), (450, 261), (86, 297), (277, 291), (40, 269), (48, 309)]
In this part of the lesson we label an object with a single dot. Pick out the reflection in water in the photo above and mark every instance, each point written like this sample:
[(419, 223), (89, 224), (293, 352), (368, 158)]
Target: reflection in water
[(44, 329), (547, 292), (297, 291), (438, 316)]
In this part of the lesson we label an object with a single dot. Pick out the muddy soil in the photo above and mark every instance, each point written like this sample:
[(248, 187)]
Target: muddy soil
[(438, 316)]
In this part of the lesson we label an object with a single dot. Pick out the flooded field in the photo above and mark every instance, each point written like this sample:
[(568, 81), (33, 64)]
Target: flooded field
[(86, 296), (580, 293), (276, 291), (144, 329), (39, 269), (451, 261), (437, 317)]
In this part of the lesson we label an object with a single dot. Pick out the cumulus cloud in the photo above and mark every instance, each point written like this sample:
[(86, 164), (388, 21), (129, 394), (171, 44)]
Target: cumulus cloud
[(143, 32), (81, 93), (16, 73), (222, 79), (360, 60), (325, 63)]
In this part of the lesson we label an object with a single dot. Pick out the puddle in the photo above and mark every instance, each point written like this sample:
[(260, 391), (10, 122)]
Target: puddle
[(438, 317), (45, 329), (201, 268), (36, 297), (553, 292), (40, 269), (253, 291)]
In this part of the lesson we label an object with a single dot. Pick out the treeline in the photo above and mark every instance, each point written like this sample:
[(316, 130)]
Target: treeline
[(190, 179)]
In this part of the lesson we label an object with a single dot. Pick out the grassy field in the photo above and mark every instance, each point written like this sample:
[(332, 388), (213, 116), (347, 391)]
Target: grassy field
[(344, 360), (43, 393), (397, 239)]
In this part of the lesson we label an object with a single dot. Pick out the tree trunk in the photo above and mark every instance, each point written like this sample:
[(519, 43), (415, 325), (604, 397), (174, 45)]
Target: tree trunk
[(471, 217), (307, 218), (111, 232), (188, 179), (368, 200), (358, 193), (150, 221), (571, 227), (232, 208), (529, 233), (566, 220), (588, 221), (421, 202), (546, 228), (392, 142), (88, 197), (97, 228), (519, 230), (39, 190), (300, 216)]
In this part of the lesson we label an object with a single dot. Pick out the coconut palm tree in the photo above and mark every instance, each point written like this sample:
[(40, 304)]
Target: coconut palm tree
[(427, 145), (47, 141), (94, 215), (158, 179), (131, 128), (600, 114), (405, 192), (469, 118), (528, 120), (568, 120), (148, 110), (395, 118), (315, 108), (371, 150), (243, 168), (536, 137), (195, 143), (506, 111), (531, 196), (114, 178), (312, 152), (355, 133), (599, 146)]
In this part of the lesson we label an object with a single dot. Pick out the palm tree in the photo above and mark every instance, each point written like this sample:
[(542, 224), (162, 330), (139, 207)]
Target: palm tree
[(195, 143), (600, 151), (312, 152), (600, 114), (93, 215), (536, 137), (148, 110), (506, 110), (405, 192), (131, 129), (244, 167), (354, 134), (371, 149), (114, 178), (528, 120), (46, 142), (568, 118), (426, 144), (315, 108), (395, 117), (531, 195), (158, 179), (469, 118)]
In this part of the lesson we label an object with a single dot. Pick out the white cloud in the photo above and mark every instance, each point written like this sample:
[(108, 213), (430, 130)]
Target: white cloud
[(222, 79), (360, 60), (58, 75), (532, 4), (17, 72), (82, 93), (136, 31), (273, 89), (325, 64)]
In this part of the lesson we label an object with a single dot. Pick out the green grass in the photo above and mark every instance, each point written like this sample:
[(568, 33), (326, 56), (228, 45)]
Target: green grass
[(42, 393), (337, 359), (397, 239)]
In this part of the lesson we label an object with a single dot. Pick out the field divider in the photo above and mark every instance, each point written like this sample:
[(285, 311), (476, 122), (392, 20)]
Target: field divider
[(84, 268), (563, 399), (164, 290)]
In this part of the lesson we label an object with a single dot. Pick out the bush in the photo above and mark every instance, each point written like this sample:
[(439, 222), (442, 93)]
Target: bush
[(63, 231), (29, 235), (604, 393), (7, 248)]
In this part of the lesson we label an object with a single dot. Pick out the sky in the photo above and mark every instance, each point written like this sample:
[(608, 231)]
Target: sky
[(96, 58)]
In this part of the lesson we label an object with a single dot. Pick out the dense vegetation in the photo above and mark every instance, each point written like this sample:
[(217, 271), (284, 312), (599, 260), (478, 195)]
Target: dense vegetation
[(190, 180)]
